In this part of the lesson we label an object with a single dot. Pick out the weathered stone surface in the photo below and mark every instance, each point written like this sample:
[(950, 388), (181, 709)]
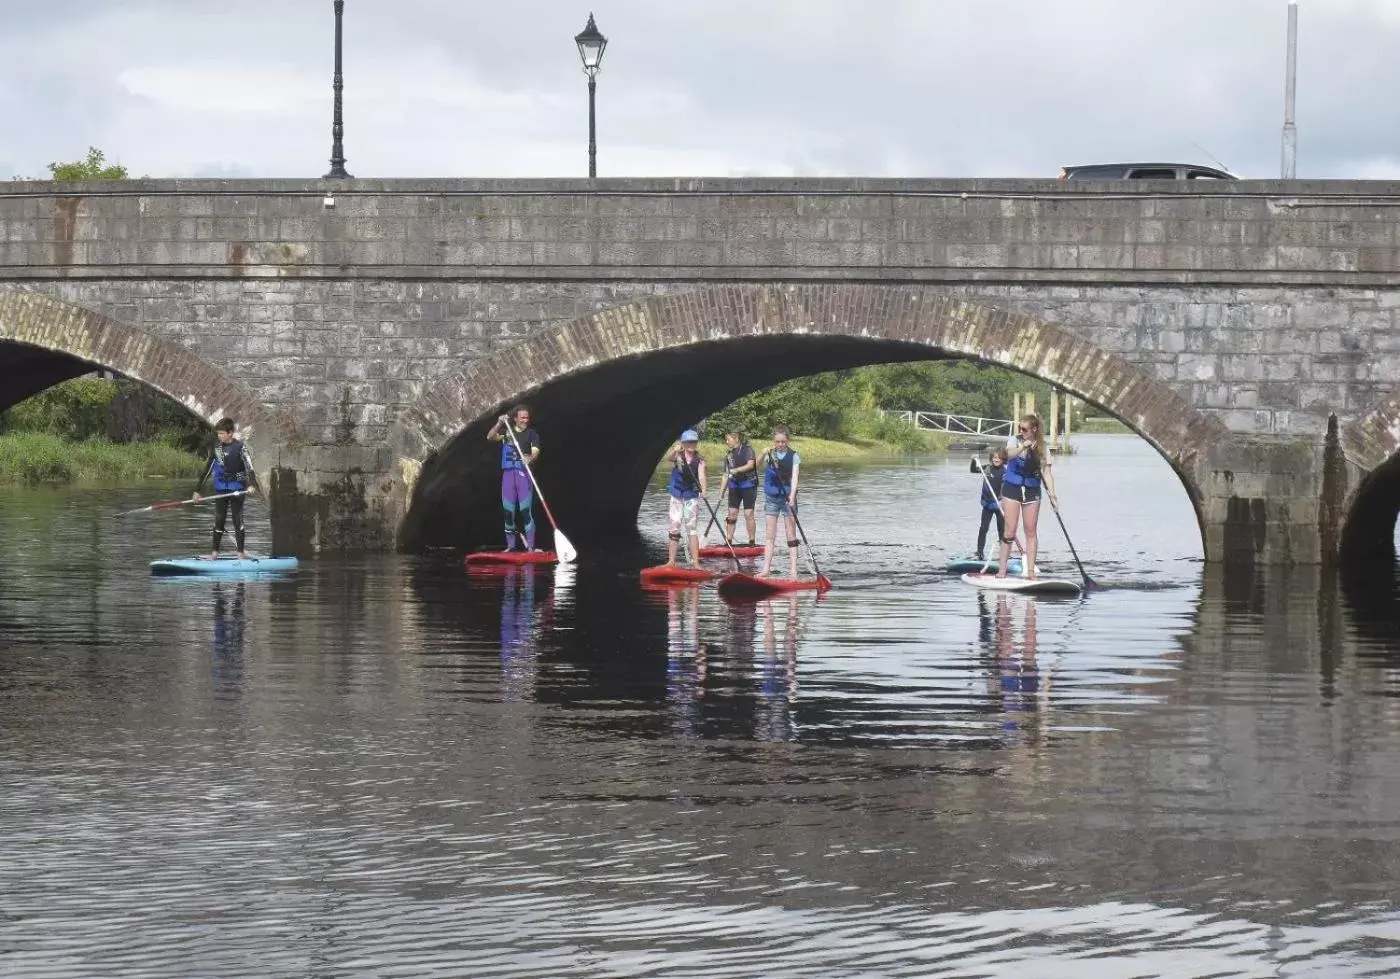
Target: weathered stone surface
[(1256, 309)]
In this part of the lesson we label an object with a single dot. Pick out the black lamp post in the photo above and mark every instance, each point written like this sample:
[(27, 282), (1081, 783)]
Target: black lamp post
[(337, 124), (590, 48)]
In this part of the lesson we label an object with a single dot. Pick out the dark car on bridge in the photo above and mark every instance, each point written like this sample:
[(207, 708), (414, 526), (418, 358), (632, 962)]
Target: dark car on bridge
[(1144, 171)]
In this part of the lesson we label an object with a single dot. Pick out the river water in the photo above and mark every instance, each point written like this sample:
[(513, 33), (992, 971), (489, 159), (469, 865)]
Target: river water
[(387, 767)]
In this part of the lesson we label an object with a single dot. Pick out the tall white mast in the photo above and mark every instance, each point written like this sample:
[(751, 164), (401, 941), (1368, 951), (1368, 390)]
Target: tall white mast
[(1290, 131)]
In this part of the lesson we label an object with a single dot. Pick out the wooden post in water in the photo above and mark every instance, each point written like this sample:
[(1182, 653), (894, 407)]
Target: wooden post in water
[(1015, 410), (1030, 402), (1053, 418), (1069, 414)]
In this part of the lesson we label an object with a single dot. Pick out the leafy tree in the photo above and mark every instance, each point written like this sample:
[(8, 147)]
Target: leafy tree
[(94, 167)]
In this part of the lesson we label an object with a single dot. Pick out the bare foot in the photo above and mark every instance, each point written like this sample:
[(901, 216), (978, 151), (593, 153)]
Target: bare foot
[(214, 556)]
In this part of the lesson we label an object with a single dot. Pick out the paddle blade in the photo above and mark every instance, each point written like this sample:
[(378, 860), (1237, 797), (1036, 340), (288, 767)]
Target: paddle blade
[(562, 547), (823, 583)]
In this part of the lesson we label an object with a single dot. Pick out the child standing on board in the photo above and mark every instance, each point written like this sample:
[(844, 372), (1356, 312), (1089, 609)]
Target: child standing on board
[(231, 468), (686, 487), (991, 494), (780, 469)]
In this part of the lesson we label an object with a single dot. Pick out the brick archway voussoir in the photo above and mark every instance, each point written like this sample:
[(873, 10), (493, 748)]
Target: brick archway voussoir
[(40, 321), (897, 314)]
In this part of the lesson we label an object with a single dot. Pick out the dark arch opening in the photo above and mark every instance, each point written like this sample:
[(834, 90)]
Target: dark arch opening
[(130, 410), (1369, 534), (604, 428)]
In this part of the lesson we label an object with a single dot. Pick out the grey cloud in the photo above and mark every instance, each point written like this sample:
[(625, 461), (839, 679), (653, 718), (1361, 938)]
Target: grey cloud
[(921, 87)]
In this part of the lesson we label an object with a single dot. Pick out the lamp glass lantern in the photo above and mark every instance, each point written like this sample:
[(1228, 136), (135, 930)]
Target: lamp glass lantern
[(591, 44)]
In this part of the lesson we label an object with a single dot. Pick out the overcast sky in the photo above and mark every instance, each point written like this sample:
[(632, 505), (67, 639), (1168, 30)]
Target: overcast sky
[(709, 88)]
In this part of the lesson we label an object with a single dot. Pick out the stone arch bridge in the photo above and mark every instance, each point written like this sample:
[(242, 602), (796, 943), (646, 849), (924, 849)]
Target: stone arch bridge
[(1247, 330)]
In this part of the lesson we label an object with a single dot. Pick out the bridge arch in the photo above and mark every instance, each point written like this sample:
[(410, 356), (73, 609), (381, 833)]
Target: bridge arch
[(639, 371), (49, 340), (1371, 447)]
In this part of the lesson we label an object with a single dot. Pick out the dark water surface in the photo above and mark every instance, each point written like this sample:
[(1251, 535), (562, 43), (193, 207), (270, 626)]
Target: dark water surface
[(385, 767)]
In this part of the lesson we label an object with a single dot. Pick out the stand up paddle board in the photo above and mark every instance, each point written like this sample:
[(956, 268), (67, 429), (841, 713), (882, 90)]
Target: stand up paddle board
[(223, 565), (738, 585), (972, 564), (662, 574), (512, 557), (1033, 586), (740, 550)]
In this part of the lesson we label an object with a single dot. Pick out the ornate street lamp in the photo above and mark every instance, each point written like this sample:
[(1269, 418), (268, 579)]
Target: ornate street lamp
[(590, 48), (337, 124)]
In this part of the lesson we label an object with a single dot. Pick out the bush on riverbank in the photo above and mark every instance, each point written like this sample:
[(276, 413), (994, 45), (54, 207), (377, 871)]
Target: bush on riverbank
[(39, 458), (118, 411)]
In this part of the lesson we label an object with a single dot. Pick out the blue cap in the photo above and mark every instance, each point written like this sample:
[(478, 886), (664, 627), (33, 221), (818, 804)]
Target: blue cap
[(690, 435)]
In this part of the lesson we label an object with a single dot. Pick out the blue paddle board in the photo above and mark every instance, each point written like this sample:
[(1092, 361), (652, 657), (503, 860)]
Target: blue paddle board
[(223, 565), (961, 564)]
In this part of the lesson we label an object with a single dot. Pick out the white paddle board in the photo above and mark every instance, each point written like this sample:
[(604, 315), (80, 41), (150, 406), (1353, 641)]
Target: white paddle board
[(1016, 583)]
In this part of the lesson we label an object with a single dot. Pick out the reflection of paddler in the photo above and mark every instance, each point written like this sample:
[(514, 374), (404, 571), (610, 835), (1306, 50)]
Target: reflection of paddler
[(226, 671), (685, 659), (1018, 674), (518, 647), (778, 674)]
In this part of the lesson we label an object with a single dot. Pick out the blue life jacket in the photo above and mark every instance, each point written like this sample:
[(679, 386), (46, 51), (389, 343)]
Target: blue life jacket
[(746, 480), (685, 478), (777, 475), (990, 492), (1024, 470), (510, 459), (230, 470)]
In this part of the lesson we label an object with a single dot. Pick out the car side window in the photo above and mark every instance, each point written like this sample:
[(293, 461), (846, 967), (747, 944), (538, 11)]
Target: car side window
[(1097, 173), (1203, 175), (1152, 173)]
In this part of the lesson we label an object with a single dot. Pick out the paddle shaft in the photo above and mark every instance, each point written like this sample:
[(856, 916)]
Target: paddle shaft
[(713, 516), (1088, 584), (175, 504), (510, 430), (792, 508)]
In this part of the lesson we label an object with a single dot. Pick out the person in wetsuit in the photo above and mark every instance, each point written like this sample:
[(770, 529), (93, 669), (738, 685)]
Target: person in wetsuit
[(231, 469), (1027, 470), (741, 475), (517, 498), (686, 487), (991, 495)]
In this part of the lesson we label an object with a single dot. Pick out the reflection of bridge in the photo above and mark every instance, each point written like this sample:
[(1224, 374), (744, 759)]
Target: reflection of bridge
[(987, 429)]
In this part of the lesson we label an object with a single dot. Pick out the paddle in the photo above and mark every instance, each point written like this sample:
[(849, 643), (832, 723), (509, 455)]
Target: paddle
[(562, 547), (1088, 582), (175, 504), (822, 580), (714, 518)]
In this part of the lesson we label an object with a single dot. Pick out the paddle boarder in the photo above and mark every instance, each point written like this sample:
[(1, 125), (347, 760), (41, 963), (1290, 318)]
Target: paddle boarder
[(516, 495), (991, 493), (230, 467), (687, 485), (741, 475), (780, 469), (1028, 467)]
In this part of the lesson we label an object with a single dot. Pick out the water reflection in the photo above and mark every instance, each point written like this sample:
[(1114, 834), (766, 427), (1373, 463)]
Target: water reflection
[(226, 673), (566, 775), (1014, 683)]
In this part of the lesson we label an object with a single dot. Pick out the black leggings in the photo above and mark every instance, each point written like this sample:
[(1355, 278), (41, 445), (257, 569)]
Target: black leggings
[(221, 509), (987, 516)]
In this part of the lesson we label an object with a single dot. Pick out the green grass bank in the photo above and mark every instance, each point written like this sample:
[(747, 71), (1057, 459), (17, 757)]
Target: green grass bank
[(39, 458)]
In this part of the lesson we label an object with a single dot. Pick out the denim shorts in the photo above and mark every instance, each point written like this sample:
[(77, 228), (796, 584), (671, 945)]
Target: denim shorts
[(775, 506)]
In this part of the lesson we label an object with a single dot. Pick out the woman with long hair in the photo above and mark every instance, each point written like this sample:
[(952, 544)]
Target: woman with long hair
[(1028, 466)]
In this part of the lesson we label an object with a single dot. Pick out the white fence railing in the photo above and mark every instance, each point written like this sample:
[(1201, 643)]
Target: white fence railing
[(941, 421)]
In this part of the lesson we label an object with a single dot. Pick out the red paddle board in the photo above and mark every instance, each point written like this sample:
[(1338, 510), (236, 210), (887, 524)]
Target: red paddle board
[(740, 550), (747, 586), (662, 573), (512, 557)]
